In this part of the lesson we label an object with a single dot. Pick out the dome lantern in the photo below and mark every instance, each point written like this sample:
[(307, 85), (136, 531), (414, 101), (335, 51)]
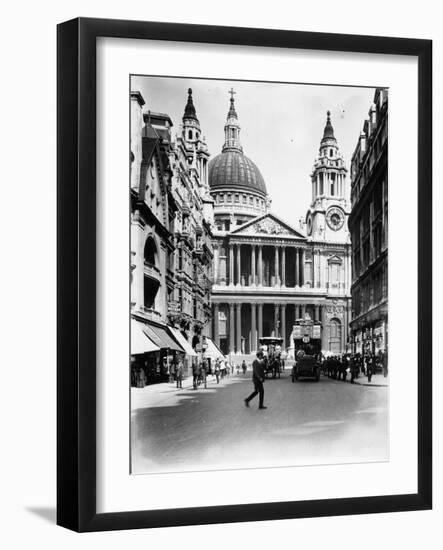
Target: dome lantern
[(232, 128)]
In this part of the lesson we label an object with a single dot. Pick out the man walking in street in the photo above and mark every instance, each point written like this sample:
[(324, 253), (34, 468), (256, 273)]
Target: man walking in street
[(258, 378)]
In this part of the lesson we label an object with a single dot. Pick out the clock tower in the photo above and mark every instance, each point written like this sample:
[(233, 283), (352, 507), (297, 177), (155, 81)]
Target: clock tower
[(327, 217)]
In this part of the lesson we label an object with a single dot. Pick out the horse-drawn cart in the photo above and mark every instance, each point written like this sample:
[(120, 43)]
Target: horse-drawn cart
[(272, 349)]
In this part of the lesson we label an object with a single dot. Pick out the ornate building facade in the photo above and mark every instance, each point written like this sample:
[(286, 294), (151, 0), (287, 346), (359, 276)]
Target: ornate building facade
[(368, 224), (267, 273), (171, 224)]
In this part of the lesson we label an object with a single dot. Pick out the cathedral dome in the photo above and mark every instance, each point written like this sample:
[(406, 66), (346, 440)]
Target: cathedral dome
[(232, 169)]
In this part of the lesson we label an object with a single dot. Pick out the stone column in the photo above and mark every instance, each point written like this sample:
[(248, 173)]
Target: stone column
[(253, 328), (216, 264), (231, 264), (238, 265), (303, 311), (276, 270), (317, 313), (253, 274), (238, 328), (324, 331), (297, 268), (216, 320), (314, 268), (231, 328), (283, 266), (260, 264), (260, 320), (276, 328), (283, 324), (302, 267)]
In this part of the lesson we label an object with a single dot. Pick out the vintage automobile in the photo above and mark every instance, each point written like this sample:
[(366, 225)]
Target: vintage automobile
[(306, 366), (271, 346)]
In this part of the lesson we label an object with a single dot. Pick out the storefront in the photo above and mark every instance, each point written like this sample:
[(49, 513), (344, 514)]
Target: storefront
[(189, 353), (145, 355), (153, 351), (210, 351)]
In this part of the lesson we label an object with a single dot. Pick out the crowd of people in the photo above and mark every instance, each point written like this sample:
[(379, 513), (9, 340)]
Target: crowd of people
[(353, 365), (338, 367), (201, 369)]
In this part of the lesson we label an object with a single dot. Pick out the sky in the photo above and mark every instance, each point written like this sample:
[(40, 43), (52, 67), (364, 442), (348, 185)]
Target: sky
[(281, 126)]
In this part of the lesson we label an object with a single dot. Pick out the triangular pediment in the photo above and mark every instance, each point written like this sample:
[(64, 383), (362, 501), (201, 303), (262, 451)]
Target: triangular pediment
[(335, 259), (267, 225)]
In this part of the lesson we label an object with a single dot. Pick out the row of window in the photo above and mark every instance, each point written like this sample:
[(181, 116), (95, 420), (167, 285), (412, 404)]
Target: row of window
[(221, 198), (335, 187), (191, 134), (328, 153), (370, 293)]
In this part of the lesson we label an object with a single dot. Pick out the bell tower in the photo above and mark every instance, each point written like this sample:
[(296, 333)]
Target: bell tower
[(191, 125), (327, 216)]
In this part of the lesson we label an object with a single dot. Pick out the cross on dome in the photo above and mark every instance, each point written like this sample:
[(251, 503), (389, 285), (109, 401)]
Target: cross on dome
[(232, 112)]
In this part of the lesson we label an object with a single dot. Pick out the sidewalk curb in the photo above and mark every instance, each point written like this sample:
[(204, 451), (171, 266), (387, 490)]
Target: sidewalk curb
[(368, 384)]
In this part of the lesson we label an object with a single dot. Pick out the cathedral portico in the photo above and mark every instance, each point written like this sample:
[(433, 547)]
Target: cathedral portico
[(242, 323)]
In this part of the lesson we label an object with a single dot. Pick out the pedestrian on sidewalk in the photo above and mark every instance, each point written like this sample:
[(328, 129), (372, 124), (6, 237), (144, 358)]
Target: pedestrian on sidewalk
[(179, 374), (172, 372), (258, 378), (204, 371), (217, 371), (195, 374), (369, 368), (384, 360), (244, 367)]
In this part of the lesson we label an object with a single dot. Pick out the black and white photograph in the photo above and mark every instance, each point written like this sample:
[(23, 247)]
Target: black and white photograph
[(258, 274)]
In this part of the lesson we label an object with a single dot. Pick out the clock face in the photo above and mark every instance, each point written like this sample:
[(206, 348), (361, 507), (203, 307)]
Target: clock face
[(309, 224), (335, 218)]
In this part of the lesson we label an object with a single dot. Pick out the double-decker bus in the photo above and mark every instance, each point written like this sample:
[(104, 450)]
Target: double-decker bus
[(306, 335)]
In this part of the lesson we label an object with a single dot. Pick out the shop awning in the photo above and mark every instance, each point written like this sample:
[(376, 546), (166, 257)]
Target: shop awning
[(140, 343), (183, 342), (212, 351), (159, 335)]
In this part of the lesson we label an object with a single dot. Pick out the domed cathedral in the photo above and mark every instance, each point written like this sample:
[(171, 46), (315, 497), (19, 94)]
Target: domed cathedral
[(266, 273)]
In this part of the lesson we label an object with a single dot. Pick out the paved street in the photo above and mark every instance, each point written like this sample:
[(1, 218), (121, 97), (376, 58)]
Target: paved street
[(305, 423)]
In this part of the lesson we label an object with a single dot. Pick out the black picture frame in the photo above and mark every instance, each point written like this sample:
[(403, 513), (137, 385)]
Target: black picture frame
[(76, 279)]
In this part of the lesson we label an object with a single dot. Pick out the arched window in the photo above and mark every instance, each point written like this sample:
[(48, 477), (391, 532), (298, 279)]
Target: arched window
[(189, 134), (150, 251), (330, 152), (335, 328), (335, 336)]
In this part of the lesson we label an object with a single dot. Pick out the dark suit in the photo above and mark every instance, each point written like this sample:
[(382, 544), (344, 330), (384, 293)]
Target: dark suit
[(258, 377)]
